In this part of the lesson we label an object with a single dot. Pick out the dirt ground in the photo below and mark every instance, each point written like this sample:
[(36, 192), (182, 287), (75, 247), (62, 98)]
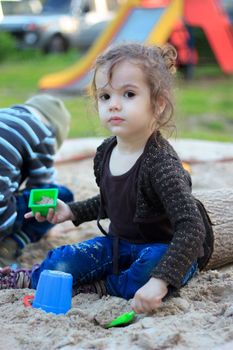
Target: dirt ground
[(200, 317)]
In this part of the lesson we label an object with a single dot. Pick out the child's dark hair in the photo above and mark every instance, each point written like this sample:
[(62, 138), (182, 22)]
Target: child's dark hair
[(158, 65)]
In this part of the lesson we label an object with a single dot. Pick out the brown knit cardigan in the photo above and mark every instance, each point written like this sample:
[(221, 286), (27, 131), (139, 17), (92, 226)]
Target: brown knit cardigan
[(164, 188)]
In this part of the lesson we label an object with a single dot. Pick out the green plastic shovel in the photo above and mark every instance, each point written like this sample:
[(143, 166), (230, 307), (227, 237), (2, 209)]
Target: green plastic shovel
[(122, 320)]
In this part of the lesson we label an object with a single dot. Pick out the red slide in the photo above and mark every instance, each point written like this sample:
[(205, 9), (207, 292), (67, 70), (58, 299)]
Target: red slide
[(210, 16)]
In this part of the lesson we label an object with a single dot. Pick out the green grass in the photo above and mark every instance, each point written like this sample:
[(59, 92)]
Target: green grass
[(203, 106)]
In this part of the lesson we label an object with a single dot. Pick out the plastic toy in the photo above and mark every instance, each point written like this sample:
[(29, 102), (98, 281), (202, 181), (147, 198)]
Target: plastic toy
[(54, 292), (122, 320), (38, 203), (27, 300)]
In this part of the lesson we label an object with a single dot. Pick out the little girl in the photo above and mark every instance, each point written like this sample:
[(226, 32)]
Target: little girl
[(159, 234)]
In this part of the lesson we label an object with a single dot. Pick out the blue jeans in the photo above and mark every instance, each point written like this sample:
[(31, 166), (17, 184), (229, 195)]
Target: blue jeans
[(92, 260), (29, 230)]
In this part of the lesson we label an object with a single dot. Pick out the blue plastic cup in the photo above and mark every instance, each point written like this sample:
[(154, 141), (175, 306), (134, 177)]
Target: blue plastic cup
[(54, 292)]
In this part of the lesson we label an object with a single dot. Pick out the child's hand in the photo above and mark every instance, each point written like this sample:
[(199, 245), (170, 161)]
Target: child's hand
[(149, 297), (62, 213)]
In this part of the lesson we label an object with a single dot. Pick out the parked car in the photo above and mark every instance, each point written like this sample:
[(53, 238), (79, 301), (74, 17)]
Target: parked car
[(88, 33), (92, 25), (55, 28)]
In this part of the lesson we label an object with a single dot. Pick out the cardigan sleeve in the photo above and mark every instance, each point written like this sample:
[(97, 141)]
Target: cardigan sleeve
[(172, 186), (86, 210)]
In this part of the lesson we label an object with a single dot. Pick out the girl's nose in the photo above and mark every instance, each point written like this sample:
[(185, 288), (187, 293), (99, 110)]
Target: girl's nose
[(115, 104)]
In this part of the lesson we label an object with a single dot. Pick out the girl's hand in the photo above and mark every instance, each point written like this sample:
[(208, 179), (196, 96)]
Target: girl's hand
[(149, 297), (62, 213)]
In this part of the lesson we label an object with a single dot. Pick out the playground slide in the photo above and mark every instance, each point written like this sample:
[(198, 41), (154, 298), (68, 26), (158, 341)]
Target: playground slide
[(133, 22), (210, 16)]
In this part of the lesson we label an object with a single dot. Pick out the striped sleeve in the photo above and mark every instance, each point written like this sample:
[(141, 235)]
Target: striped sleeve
[(27, 154)]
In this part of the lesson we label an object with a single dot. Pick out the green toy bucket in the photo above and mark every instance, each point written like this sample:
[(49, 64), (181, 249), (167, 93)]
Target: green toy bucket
[(41, 200)]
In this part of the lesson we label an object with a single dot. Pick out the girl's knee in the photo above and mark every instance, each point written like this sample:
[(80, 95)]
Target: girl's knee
[(145, 254), (60, 252), (152, 254), (57, 257)]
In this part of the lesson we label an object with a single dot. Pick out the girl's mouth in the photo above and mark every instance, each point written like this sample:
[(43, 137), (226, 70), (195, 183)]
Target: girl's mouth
[(116, 120)]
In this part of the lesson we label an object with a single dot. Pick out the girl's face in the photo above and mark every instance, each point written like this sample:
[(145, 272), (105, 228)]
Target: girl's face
[(124, 104)]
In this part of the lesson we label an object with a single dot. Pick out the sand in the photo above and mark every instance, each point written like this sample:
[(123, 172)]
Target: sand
[(200, 316)]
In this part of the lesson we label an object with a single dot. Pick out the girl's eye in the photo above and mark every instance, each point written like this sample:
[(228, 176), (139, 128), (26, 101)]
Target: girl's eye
[(129, 94), (104, 97)]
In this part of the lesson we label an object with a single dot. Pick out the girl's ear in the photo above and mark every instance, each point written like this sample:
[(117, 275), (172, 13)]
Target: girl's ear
[(161, 103)]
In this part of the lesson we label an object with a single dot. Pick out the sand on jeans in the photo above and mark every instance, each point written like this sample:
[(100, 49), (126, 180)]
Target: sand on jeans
[(200, 316)]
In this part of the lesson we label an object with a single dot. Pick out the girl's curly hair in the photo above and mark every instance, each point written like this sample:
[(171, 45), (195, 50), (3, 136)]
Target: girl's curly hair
[(158, 65)]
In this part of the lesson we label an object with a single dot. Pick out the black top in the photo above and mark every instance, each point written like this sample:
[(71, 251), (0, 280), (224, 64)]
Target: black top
[(119, 195)]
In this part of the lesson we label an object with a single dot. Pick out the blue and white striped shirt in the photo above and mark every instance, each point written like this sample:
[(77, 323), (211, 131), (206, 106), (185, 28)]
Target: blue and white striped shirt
[(27, 154)]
